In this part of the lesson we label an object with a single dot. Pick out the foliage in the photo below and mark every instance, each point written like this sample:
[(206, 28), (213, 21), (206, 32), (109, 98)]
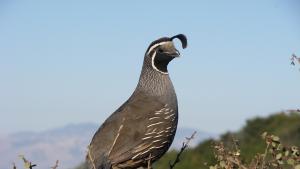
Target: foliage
[(29, 165), (275, 156), (250, 148), (247, 141), (294, 59)]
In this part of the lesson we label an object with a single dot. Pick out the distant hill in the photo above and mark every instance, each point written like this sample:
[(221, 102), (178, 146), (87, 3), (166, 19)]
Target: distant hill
[(67, 144), (286, 125)]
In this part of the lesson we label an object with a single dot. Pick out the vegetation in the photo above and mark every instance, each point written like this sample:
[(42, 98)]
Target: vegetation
[(250, 148), (241, 149)]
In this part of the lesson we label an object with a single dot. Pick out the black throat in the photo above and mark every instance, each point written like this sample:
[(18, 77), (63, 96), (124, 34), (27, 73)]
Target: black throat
[(161, 61)]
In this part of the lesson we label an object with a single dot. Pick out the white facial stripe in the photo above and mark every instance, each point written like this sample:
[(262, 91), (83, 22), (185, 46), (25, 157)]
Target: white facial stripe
[(154, 67), (154, 46)]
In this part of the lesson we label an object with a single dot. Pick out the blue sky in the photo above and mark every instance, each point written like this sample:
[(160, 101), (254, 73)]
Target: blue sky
[(69, 61)]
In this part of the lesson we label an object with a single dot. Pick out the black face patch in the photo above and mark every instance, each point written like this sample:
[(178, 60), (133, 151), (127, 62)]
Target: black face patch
[(161, 61)]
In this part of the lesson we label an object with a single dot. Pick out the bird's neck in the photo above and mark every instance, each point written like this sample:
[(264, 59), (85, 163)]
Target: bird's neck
[(155, 83)]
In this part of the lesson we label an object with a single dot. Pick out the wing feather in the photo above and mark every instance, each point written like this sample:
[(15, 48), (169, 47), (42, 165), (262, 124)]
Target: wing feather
[(120, 134)]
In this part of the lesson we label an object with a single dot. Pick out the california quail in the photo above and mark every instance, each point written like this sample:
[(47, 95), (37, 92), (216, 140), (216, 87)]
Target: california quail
[(143, 128)]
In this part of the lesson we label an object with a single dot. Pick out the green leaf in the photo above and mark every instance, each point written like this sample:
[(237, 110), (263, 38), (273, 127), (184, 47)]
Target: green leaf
[(286, 153), (278, 156), (238, 153), (275, 138), (212, 167), (264, 135), (223, 164), (27, 165), (274, 164), (291, 161), (279, 147)]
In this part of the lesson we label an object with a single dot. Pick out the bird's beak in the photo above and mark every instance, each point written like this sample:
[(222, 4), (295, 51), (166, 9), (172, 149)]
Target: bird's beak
[(174, 53), (183, 40)]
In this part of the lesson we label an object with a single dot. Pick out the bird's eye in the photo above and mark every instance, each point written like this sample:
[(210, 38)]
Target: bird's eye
[(160, 50)]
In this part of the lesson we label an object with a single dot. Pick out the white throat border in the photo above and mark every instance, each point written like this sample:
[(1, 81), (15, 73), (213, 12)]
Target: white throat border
[(153, 65), (153, 56)]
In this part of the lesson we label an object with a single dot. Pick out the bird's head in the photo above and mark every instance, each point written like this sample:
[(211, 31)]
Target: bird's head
[(162, 51)]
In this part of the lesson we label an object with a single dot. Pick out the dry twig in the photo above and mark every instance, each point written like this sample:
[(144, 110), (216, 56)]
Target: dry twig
[(149, 162), (236, 162), (27, 164), (294, 59), (14, 166), (264, 156), (184, 146), (56, 165)]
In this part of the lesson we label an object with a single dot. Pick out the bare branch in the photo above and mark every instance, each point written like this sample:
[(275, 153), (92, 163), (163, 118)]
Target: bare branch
[(14, 165), (27, 164), (23, 158), (56, 165), (264, 156), (184, 146), (149, 162), (237, 162), (31, 165)]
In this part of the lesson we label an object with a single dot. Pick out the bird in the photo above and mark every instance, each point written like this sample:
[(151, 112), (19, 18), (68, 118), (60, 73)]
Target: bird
[(142, 129)]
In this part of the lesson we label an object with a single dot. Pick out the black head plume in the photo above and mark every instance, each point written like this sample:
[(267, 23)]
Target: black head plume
[(182, 39)]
